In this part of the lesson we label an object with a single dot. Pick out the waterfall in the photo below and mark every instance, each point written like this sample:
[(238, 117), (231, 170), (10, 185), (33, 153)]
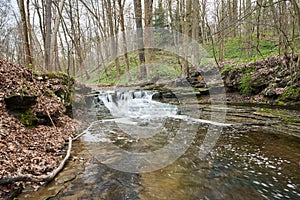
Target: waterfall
[(134, 104)]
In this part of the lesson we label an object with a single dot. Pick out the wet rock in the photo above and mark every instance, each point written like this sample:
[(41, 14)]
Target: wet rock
[(203, 91), (200, 85), (66, 178)]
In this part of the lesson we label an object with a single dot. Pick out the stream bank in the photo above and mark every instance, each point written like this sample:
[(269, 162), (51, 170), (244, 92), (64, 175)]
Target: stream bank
[(255, 158), (35, 109), (34, 124), (272, 81)]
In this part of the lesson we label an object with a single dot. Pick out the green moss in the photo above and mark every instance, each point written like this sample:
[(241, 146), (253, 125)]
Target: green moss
[(291, 120), (280, 103), (274, 111), (250, 69), (245, 85), (291, 93), (28, 119), (49, 93), (226, 68)]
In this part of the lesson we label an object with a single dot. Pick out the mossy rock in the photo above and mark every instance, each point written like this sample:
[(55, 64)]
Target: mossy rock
[(259, 83), (28, 119), (245, 86), (290, 94)]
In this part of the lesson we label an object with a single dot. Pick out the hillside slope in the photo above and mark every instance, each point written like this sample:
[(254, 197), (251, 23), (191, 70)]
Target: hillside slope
[(274, 80), (33, 123)]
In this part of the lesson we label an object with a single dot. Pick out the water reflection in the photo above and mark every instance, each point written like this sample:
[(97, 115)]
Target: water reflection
[(257, 158)]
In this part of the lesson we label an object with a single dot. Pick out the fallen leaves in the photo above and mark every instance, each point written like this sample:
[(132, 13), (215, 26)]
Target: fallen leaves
[(38, 150)]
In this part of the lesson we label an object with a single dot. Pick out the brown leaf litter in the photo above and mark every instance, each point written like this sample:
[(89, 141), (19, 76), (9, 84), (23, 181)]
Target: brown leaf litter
[(37, 149)]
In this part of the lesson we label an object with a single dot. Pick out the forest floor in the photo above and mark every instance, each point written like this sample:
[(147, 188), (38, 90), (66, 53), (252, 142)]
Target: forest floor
[(34, 125), (273, 81)]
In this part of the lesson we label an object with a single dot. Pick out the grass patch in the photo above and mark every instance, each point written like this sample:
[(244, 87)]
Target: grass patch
[(164, 65), (234, 48)]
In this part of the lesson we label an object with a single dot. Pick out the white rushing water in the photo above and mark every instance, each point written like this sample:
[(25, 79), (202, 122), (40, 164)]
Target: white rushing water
[(135, 104), (137, 115)]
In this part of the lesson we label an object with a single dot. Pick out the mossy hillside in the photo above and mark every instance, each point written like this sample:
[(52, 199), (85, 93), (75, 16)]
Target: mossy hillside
[(163, 65), (234, 48)]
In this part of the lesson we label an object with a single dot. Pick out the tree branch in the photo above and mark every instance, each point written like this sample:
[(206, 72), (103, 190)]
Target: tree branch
[(41, 178)]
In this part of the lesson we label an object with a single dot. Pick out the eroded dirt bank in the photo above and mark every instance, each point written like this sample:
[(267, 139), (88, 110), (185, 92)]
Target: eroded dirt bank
[(34, 124)]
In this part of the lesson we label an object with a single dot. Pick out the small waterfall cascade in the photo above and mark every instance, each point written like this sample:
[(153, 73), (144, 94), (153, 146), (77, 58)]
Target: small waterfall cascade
[(134, 104)]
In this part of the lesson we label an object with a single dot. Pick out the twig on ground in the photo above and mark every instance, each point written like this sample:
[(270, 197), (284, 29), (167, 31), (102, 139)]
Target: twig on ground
[(41, 178)]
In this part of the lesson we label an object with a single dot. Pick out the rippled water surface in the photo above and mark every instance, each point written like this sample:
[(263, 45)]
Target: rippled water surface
[(257, 156)]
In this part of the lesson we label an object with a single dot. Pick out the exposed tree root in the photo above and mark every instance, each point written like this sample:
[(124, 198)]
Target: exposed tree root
[(78, 136), (41, 178)]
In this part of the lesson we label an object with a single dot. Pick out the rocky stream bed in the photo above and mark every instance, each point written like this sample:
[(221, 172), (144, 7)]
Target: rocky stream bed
[(35, 111)]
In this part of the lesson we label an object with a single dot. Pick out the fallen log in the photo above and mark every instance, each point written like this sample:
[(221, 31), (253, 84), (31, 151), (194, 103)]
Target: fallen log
[(41, 178)]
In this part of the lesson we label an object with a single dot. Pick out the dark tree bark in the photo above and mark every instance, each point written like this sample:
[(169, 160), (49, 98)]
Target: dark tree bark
[(139, 27)]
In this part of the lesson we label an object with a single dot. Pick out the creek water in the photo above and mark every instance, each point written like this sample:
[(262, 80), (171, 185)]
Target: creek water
[(255, 155)]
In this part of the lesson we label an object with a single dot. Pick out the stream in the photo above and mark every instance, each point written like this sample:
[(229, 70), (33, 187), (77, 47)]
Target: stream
[(139, 145)]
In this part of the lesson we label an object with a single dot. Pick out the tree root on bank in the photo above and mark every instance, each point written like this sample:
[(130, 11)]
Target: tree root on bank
[(41, 178), (78, 136)]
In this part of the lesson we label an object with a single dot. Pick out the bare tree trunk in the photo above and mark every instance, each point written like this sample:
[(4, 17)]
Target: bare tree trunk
[(195, 32), (283, 23), (173, 22), (187, 37), (278, 21), (28, 55), (258, 16), (116, 28), (148, 33), (204, 36), (54, 47), (248, 29), (221, 31), (108, 7), (48, 35), (76, 38), (139, 26), (122, 23), (297, 11), (29, 27), (235, 15)]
